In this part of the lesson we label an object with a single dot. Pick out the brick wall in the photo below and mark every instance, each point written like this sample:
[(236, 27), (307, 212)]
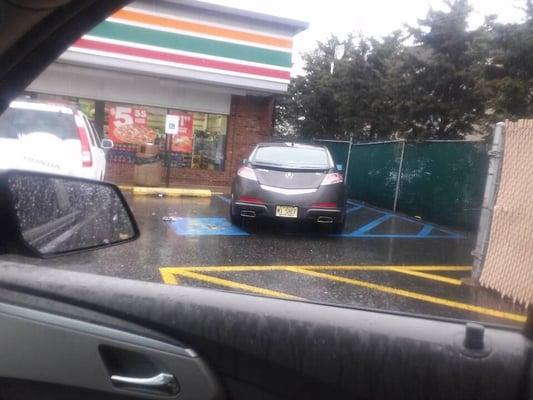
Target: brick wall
[(249, 122)]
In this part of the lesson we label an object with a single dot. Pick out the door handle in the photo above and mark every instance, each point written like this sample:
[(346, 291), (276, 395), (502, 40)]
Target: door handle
[(162, 382)]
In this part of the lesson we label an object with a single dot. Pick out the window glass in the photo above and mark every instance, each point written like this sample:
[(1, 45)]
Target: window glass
[(95, 133), (397, 117), (90, 132), (16, 122), (209, 141), (291, 156)]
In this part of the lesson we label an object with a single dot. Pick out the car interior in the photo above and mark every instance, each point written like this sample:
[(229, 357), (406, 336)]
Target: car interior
[(73, 335)]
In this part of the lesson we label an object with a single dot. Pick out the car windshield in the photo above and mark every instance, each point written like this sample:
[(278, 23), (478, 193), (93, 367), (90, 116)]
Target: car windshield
[(291, 156), (16, 122), (373, 154)]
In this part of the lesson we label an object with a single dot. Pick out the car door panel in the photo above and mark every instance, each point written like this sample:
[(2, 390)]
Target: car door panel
[(273, 349), (42, 347), (16, 389)]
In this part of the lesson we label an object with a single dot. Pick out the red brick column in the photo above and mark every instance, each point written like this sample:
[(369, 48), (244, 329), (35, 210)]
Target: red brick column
[(251, 120)]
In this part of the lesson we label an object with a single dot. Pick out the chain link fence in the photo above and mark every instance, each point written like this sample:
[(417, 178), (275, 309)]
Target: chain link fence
[(439, 181)]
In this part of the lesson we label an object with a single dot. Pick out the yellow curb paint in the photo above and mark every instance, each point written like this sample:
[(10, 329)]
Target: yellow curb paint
[(125, 188), (172, 192), (425, 275), (221, 282), (250, 268), (413, 295)]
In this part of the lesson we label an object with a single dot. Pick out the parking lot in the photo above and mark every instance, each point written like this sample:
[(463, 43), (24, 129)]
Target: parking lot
[(381, 260)]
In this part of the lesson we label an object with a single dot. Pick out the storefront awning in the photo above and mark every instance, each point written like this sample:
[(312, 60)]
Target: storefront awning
[(193, 41)]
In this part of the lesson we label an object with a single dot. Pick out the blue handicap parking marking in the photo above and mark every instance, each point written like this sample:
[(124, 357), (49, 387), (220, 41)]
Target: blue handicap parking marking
[(225, 199), (353, 208), (427, 231), (205, 226), (222, 227), (443, 233), (371, 225)]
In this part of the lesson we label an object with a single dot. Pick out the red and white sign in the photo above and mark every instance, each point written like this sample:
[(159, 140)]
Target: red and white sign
[(182, 141), (129, 125)]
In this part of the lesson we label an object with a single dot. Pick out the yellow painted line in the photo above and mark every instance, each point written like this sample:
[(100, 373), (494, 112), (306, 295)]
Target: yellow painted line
[(250, 268), (413, 295), (172, 192), (165, 272), (125, 188), (168, 276), (425, 275)]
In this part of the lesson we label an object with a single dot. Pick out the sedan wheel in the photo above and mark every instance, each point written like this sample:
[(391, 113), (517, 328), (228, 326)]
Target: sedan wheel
[(235, 219), (337, 228)]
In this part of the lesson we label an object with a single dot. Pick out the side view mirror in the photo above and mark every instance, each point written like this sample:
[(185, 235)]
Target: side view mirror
[(50, 215), (107, 144), (244, 161), (339, 167)]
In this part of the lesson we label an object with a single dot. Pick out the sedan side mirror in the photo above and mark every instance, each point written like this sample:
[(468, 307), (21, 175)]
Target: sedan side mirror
[(244, 161), (50, 215), (107, 144), (339, 167)]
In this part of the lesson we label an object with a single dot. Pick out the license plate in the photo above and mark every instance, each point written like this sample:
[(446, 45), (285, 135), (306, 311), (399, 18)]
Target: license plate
[(287, 211)]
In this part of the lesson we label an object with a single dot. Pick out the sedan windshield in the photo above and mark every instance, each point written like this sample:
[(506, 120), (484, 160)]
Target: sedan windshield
[(297, 157)]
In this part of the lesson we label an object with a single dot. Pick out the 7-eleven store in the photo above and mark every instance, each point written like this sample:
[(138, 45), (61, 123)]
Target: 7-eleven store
[(218, 68)]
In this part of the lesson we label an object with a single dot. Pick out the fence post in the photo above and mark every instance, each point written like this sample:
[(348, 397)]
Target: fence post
[(489, 199), (348, 160), (397, 191)]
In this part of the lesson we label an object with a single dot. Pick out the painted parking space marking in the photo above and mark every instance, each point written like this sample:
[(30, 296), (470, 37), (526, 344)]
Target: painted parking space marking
[(245, 268), (225, 199), (170, 275), (414, 295), (205, 226), (434, 277), (354, 208), (371, 225), (427, 230), (200, 226), (225, 282)]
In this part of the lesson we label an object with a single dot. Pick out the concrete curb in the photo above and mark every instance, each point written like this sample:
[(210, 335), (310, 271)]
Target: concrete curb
[(171, 192)]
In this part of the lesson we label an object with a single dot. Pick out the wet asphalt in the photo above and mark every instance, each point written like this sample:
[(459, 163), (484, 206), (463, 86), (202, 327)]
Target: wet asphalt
[(195, 232)]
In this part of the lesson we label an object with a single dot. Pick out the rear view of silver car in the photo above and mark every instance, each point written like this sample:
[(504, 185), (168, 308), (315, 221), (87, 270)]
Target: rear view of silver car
[(289, 181)]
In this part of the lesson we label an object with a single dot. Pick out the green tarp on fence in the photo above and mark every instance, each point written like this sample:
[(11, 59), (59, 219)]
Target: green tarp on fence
[(442, 182), (339, 152), (373, 172)]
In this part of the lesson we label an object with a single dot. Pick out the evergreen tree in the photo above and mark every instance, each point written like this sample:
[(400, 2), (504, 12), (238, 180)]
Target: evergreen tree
[(448, 82), (438, 95)]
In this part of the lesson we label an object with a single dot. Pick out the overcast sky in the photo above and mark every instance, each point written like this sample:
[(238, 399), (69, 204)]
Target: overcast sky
[(369, 17)]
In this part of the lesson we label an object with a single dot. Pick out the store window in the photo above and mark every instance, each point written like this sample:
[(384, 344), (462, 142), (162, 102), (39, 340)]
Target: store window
[(210, 142), (199, 143)]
